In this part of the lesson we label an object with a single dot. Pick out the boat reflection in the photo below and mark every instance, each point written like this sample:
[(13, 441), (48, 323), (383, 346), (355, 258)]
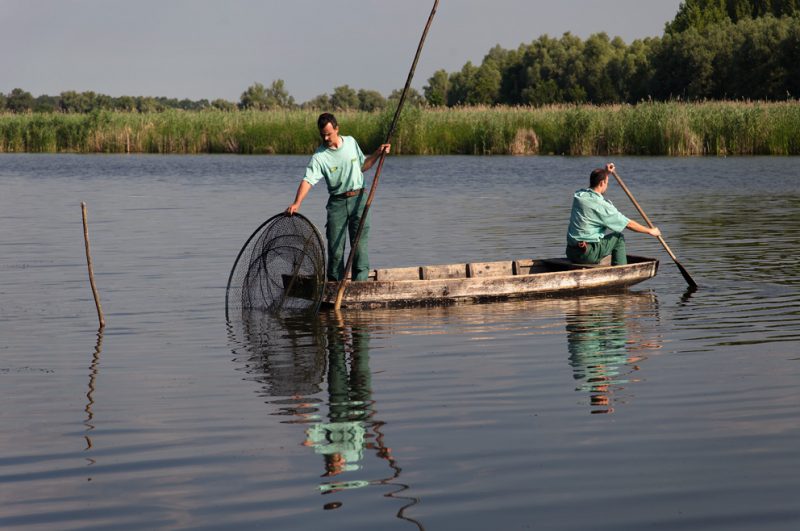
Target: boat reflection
[(293, 359), (607, 338)]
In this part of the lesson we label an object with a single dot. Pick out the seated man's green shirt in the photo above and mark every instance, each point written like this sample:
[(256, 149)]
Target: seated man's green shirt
[(591, 216), (341, 167)]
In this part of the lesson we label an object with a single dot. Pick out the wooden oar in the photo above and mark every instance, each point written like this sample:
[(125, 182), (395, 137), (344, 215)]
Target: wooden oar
[(354, 243), (686, 276)]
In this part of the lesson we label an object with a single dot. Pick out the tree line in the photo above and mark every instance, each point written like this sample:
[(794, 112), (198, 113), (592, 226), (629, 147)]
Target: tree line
[(256, 96), (711, 50)]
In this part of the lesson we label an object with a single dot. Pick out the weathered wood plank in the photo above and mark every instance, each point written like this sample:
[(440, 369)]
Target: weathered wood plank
[(529, 266), (437, 272), (398, 273), (490, 269)]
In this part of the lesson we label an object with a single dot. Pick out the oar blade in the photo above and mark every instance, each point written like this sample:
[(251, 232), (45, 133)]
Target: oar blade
[(686, 276)]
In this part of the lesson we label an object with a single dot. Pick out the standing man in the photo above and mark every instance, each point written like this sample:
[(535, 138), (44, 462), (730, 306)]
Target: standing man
[(592, 214), (340, 161)]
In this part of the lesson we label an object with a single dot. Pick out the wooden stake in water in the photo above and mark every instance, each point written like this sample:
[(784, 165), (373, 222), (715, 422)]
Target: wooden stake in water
[(91, 268)]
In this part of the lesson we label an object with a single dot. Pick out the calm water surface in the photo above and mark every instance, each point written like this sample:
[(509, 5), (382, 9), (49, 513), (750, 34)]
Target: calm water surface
[(655, 408)]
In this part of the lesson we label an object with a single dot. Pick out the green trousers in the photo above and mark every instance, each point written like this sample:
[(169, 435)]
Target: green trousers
[(612, 244), (344, 216)]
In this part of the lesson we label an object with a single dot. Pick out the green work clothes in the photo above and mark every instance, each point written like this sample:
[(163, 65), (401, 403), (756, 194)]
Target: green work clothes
[(341, 169), (592, 215), (612, 244), (344, 216)]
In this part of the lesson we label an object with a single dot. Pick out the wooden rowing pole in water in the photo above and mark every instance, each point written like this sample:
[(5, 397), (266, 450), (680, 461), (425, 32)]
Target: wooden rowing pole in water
[(686, 276)]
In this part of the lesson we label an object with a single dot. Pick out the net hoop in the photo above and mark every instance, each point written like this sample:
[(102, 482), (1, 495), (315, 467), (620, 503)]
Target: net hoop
[(314, 240)]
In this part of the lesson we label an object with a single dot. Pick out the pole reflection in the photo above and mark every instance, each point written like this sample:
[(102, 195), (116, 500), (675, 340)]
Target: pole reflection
[(298, 360), (94, 369), (607, 338)]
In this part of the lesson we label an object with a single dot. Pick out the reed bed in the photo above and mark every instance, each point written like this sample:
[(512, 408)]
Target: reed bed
[(651, 128)]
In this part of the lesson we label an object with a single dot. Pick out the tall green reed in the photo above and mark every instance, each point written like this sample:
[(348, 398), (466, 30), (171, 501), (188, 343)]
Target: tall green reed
[(649, 128)]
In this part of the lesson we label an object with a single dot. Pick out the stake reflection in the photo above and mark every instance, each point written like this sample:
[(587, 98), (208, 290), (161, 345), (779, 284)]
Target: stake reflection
[(94, 368)]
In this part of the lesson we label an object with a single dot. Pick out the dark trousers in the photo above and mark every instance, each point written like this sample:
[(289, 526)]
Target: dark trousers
[(612, 244), (344, 216)]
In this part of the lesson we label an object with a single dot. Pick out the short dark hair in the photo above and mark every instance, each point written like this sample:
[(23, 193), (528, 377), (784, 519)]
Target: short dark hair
[(325, 119), (597, 176)]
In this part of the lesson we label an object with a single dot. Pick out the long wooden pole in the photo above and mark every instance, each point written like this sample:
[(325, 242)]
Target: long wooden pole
[(686, 276), (91, 268), (354, 243)]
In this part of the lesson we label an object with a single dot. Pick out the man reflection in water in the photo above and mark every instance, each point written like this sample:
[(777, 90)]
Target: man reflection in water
[(342, 440), (288, 359), (597, 341)]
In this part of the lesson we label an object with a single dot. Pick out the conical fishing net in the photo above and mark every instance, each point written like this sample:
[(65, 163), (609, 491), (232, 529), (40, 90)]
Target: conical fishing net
[(280, 269)]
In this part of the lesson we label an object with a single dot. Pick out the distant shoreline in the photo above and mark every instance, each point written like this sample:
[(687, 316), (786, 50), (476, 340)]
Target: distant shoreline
[(649, 128)]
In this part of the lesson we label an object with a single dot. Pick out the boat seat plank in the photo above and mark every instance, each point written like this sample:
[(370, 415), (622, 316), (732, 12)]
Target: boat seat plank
[(490, 269), (398, 273)]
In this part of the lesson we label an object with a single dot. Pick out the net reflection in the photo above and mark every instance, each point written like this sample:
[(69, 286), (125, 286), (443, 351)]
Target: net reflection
[(607, 337), (293, 358)]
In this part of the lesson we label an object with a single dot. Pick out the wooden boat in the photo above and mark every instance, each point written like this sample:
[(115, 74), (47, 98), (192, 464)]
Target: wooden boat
[(486, 281)]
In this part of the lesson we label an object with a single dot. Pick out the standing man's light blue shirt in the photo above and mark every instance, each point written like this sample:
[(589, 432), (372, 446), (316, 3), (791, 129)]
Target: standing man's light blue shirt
[(592, 215), (341, 167)]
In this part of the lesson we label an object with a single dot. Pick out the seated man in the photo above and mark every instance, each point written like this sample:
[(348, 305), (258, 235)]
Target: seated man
[(592, 215)]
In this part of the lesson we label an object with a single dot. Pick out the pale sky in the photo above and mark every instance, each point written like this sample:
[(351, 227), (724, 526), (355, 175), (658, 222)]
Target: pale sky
[(215, 49)]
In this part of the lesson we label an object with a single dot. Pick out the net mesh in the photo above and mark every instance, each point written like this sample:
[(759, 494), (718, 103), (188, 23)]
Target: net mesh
[(280, 269)]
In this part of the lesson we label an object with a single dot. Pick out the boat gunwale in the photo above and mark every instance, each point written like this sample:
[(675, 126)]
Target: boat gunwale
[(367, 293)]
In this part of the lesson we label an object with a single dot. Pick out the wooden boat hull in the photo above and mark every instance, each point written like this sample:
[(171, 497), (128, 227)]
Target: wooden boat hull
[(486, 281)]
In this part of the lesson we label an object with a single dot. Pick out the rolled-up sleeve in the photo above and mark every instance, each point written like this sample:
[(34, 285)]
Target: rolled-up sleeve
[(313, 172), (613, 218)]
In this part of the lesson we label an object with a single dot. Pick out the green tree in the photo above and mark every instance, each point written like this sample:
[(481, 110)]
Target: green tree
[(461, 84), (413, 98), (485, 88), (259, 97), (632, 71), (19, 101), (789, 53), (223, 105), (371, 100), (254, 97), (547, 71), (685, 66), (147, 104), (279, 96), (71, 101), (436, 89), (45, 103), (343, 98), (597, 53), (124, 103), (757, 66), (698, 14), (319, 102), (103, 101)]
